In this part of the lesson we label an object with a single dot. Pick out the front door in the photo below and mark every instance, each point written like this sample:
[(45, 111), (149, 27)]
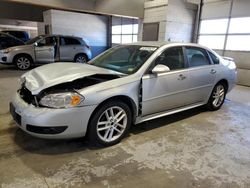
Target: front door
[(45, 50), (166, 91)]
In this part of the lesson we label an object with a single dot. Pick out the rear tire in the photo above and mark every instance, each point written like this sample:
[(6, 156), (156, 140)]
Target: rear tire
[(81, 58), (217, 97), (110, 123), (23, 62)]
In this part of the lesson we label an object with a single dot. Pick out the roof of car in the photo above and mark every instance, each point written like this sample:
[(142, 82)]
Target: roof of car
[(149, 43), (56, 35), (163, 43)]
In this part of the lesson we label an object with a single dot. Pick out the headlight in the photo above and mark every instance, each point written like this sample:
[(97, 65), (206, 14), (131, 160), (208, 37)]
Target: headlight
[(62, 100), (7, 50)]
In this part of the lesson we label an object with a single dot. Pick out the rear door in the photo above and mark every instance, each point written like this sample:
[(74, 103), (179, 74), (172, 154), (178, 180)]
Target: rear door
[(202, 73), (69, 47)]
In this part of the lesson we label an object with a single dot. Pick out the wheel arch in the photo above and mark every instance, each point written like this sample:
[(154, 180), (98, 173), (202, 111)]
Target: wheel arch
[(23, 54), (225, 82), (127, 100)]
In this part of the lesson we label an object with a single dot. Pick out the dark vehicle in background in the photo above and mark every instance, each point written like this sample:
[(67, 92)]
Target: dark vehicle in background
[(7, 41), (22, 35)]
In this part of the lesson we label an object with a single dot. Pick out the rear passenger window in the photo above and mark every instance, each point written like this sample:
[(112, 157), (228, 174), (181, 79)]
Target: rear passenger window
[(69, 41), (173, 58), (214, 58), (197, 57)]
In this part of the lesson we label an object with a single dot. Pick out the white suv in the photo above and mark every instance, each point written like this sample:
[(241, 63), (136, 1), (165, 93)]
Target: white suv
[(47, 49)]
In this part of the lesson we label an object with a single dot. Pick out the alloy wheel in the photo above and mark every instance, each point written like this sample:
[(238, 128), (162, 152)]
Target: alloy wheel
[(111, 124), (81, 59), (23, 63), (218, 95)]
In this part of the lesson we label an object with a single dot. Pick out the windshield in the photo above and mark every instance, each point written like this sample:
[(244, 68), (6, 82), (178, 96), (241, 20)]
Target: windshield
[(32, 41), (126, 59)]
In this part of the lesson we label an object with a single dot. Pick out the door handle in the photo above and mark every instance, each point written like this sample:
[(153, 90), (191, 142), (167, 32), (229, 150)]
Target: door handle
[(213, 71), (181, 77)]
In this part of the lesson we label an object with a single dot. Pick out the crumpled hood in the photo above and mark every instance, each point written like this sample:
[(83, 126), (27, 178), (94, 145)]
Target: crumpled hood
[(56, 73)]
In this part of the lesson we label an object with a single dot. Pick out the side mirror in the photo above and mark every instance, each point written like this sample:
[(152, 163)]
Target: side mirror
[(160, 69), (36, 44)]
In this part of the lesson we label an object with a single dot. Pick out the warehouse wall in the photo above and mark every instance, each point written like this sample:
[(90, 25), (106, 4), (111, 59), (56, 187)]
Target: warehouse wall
[(240, 8), (92, 28), (156, 11), (32, 9), (180, 21), (242, 60), (176, 19)]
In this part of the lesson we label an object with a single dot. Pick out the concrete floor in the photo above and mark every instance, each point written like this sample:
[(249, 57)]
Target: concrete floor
[(195, 148)]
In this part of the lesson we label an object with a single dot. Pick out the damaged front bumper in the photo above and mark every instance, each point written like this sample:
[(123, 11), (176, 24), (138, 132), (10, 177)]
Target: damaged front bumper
[(49, 122)]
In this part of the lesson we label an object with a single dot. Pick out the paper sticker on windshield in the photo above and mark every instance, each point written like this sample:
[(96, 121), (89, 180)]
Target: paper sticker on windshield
[(130, 69), (148, 48)]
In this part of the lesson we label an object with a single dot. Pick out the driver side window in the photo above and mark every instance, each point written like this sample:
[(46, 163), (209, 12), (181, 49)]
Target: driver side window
[(48, 41), (172, 57)]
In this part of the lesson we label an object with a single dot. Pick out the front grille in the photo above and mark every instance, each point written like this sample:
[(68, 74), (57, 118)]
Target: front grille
[(27, 96)]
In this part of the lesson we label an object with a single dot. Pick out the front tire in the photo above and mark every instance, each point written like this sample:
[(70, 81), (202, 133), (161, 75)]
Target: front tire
[(217, 97), (23, 62), (110, 123)]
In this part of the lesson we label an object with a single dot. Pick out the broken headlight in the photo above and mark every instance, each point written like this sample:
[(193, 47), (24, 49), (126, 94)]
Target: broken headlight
[(62, 100)]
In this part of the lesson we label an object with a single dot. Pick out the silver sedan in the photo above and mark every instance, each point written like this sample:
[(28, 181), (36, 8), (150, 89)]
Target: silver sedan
[(126, 85)]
